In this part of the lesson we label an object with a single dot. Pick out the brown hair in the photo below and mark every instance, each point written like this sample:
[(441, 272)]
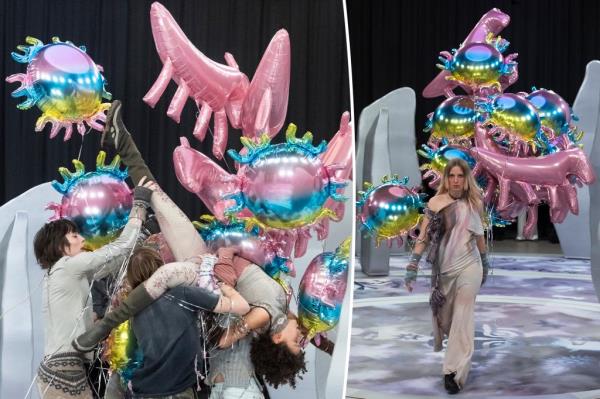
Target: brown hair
[(50, 241), (473, 193), (143, 263)]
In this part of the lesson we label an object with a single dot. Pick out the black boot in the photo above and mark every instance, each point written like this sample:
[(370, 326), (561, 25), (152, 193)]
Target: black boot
[(137, 300), (117, 138), (114, 129), (450, 384)]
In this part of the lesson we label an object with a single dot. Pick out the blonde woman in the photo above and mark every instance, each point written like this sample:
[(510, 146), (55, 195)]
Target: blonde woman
[(453, 230)]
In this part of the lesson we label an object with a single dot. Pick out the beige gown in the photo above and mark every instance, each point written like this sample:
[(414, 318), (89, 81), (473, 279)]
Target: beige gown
[(454, 254)]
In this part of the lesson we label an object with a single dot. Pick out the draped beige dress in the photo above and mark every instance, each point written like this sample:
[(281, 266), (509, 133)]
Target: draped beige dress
[(457, 265)]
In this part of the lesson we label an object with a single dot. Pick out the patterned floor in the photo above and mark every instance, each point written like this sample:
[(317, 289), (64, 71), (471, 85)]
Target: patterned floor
[(537, 334)]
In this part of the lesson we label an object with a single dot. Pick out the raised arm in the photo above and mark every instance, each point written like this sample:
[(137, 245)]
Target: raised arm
[(179, 233), (110, 257)]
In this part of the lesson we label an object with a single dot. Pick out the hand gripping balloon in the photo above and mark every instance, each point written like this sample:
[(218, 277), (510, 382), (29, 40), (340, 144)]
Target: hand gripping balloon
[(97, 202), (65, 84), (322, 291), (249, 244), (390, 210)]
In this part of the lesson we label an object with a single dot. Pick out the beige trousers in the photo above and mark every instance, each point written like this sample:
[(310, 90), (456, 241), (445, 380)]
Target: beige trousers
[(456, 319)]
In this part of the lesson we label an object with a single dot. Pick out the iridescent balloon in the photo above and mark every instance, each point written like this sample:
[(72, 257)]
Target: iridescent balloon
[(553, 110), (454, 118), (65, 84), (439, 159), (249, 244), (389, 210), (322, 290), (516, 116), (477, 64), (122, 352), (285, 186), (97, 202)]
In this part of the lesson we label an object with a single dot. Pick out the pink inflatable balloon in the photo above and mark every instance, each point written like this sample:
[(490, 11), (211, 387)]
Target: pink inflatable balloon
[(200, 175), (265, 106), (494, 21), (339, 154), (553, 169), (210, 84)]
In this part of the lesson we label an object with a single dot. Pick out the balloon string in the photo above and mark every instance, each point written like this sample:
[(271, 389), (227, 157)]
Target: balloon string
[(82, 140)]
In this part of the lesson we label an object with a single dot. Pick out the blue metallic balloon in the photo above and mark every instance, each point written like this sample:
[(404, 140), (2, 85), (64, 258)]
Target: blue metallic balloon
[(389, 210), (322, 290), (553, 110), (477, 64), (454, 118), (285, 186), (98, 202)]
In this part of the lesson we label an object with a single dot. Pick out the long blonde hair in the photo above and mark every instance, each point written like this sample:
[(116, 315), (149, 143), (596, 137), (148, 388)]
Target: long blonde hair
[(473, 192)]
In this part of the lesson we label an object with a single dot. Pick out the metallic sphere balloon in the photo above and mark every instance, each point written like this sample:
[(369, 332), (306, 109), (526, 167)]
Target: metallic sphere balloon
[(516, 116), (454, 118), (285, 186), (477, 64), (322, 291), (97, 202), (389, 210), (553, 110), (65, 84)]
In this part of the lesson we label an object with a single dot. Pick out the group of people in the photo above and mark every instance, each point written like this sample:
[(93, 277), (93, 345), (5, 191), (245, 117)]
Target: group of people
[(168, 304)]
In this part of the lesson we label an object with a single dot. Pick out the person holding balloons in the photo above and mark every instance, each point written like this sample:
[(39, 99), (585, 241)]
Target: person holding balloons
[(59, 249), (453, 230)]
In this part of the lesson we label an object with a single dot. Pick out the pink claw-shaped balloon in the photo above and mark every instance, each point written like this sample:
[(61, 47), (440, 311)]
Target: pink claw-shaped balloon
[(211, 84), (265, 106)]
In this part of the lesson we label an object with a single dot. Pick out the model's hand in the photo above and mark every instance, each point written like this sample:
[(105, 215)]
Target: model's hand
[(410, 278), (485, 264)]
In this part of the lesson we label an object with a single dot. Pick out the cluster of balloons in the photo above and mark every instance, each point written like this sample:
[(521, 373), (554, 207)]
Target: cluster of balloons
[(523, 147), (64, 83), (98, 202), (266, 210), (389, 211)]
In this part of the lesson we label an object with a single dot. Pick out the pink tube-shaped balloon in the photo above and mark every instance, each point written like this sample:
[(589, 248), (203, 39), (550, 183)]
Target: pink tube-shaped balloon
[(339, 153), (552, 169), (200, 175), (265, 107), (215, 86)]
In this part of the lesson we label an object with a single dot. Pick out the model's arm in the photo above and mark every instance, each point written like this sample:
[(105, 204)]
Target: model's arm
[(413, 264), (256, 319), (104, 261)]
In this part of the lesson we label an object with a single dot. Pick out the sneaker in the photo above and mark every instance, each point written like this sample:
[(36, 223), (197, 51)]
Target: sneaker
[(450, 384), (114, 127)]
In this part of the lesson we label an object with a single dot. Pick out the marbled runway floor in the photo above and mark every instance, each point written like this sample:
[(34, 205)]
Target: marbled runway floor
[(537, 334)]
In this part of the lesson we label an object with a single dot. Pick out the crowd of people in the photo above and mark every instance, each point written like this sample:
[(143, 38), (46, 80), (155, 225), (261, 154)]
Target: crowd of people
[(169, 305)]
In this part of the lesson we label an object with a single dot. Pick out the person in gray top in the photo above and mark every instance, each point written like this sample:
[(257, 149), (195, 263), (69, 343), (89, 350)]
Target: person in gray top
[(59, 249)]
